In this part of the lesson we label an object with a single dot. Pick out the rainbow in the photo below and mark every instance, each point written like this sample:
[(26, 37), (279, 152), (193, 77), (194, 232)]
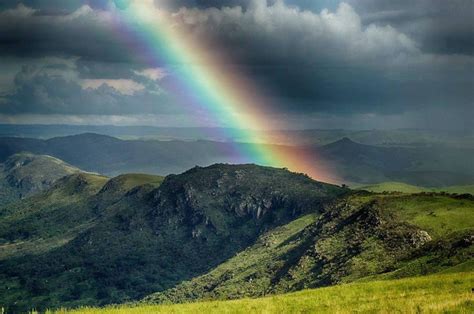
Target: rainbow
[(226, 98)]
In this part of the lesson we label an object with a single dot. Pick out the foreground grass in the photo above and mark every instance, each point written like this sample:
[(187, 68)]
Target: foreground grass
[(429, 294)]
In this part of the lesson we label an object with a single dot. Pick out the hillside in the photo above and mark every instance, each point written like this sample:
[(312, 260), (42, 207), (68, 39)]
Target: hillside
[(151, 238), (357, 237), (25, 174), (446, 293), (219, 232), (350, 162), (407, 188), (51, 218)]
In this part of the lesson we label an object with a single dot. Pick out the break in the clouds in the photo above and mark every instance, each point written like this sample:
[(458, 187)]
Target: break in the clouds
[(313, 60)]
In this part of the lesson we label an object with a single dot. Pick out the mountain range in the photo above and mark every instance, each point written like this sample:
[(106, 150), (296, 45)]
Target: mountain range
[(217, 232), (397, 137), (349, 162)]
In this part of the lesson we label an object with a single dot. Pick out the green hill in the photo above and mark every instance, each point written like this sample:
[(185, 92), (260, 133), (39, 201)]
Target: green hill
[(392, 187), (220, 232), (407, 188), (73, 204), (151, 238), (49, 219), (357, 237), (24, 174), (447, 293)]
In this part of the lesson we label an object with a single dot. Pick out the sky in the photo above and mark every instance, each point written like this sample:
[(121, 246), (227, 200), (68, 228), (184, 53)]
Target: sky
[(365, 64)]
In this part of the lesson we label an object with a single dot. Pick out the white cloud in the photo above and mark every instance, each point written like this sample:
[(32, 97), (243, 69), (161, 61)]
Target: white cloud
[(20, 11), (154, 74), (279, 31), (124, 86)]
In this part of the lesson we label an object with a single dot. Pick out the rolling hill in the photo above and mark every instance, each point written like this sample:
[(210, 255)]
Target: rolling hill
[(25, 174), (219, 232), (444, 293), (407, 188), (150, 238)]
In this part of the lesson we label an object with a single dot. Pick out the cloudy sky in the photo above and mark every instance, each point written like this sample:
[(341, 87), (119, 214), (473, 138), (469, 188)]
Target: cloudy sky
[(320, 64)]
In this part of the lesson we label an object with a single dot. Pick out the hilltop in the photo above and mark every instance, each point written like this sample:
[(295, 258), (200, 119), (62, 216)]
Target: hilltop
[(149, 235), (25, 174)]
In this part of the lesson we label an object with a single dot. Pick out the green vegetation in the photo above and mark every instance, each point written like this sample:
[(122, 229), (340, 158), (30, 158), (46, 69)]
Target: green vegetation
[(131, 180), (227, 232), (392, 187), (249, 273), (49, 219), (457, 189), (439, 215), (430, 294), (150, 238), (361, 237), (408, 188), (24, 174)]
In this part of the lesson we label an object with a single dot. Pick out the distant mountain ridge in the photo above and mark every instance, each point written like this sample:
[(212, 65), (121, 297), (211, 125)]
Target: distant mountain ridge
[(351, 162), (398, 137)]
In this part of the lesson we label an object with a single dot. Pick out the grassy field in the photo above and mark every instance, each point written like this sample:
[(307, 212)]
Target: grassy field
[(439, 215), (408, 188), (429, 294)]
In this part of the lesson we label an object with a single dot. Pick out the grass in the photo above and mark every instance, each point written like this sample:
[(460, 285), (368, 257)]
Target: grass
[(439, 215), (429, 294), (132, 180), (408, 188), (392, 187)]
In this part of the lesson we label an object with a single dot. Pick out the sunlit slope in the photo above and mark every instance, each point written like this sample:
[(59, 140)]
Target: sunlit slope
[(408, 188), (432, 294), (360, 237), (24, 174)]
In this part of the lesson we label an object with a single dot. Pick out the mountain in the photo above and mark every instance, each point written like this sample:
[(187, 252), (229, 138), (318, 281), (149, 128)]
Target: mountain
[(359, 236), (351, 162), (111, 156), (425, 166), (25, 174), (145, 239), (398, 137), (218, 232)]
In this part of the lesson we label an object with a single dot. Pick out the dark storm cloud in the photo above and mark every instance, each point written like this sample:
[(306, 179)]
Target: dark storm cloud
[(383, 57), (439, 26), (86, 33), (54, 89), (202, 4)]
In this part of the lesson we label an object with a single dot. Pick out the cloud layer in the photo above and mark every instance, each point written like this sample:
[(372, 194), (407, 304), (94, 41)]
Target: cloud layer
[(356, 58)]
